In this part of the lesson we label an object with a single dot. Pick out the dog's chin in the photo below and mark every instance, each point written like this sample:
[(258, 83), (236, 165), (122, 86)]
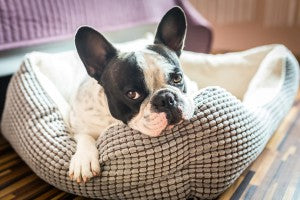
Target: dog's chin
[(155, 124), (160, 126), (152, 125)]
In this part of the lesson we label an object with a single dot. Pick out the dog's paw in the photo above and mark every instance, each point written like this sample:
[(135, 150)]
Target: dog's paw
[(84, 165)]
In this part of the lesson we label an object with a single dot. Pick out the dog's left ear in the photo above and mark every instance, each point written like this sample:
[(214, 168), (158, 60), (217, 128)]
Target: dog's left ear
[(94, 50), (171, 30)]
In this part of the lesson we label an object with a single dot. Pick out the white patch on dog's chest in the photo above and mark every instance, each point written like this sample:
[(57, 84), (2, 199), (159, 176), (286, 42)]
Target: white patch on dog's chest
[(89, 110)]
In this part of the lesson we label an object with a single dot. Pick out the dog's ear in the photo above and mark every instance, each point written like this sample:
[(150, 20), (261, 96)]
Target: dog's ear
[(94, 50), (171, 30)]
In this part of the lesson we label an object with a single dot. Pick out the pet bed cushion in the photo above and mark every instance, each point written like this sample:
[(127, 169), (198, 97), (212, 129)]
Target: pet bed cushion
[(199, 158)]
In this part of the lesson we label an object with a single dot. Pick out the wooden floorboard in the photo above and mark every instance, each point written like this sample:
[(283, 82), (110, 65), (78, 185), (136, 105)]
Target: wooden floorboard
[(275, 174)]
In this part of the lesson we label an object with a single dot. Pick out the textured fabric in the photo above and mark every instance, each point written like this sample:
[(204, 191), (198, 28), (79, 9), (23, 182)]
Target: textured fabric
[(29, 22), (199, 158)]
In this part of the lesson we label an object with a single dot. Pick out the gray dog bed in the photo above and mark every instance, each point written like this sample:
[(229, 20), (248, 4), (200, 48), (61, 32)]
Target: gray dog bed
[(199, 158)]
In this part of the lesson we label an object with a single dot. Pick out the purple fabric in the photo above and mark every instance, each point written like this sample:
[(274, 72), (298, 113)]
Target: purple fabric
[(199, 33), (29, 22)]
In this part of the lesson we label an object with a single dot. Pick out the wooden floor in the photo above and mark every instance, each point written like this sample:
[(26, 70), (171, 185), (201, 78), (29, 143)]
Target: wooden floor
[(274, 175)]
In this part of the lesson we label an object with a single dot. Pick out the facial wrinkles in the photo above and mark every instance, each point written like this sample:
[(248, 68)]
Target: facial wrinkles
[(148, 122), (157, 68)]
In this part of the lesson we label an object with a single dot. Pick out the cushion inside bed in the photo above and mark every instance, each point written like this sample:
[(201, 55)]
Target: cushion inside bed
[(253, 76)]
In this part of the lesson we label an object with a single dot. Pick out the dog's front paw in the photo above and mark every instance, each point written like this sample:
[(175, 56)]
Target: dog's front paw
[(84, 165)]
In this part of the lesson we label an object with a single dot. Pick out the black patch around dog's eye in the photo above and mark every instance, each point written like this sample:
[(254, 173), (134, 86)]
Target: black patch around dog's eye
[(122, 76), (176, 78), (179, 84), (133, 95)]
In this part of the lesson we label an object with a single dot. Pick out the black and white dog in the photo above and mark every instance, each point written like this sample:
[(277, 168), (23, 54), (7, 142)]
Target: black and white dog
[(145, 89)]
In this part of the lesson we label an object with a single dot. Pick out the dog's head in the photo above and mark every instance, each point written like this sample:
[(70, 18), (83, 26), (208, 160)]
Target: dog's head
[(145, 89)]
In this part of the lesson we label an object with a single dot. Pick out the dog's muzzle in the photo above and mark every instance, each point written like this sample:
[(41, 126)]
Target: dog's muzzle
[(167, 101)]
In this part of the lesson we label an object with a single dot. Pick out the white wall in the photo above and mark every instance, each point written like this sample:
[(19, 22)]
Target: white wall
[(241, 24)]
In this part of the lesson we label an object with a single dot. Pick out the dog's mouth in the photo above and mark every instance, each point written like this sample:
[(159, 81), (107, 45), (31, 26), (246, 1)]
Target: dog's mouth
[(175, 105), (174, 116), (152, 121), (161, 121)]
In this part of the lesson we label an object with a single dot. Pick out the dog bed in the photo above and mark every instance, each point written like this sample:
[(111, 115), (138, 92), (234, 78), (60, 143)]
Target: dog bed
[(199, 158)]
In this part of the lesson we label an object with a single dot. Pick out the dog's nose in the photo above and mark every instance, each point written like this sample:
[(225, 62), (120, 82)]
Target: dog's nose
[(164, 100), (167, 102)]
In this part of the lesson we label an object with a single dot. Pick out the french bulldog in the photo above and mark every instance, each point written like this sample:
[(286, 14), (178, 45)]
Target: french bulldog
[(145, 89)]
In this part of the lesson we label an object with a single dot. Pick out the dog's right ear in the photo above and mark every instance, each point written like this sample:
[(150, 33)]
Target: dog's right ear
[(94, 50), (171, 30)]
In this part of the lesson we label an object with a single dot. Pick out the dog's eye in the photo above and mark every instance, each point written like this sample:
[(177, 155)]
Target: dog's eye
[(177, 78), (133, 94)]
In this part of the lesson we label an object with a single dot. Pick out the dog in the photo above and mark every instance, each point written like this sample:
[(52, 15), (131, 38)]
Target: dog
[(144, 89)]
